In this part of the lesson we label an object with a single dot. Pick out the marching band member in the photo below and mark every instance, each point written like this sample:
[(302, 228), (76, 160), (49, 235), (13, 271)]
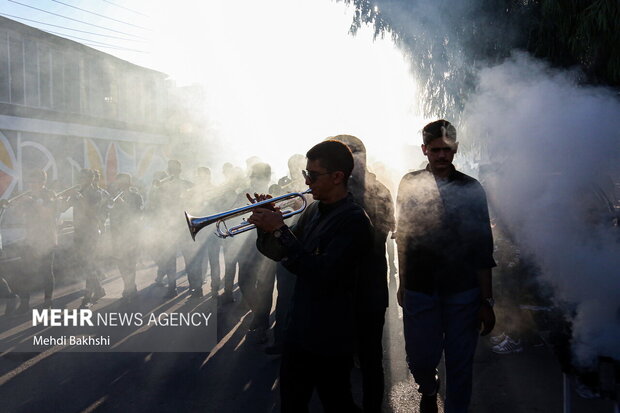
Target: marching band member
[(125, 224), (40, 210), (87, 204)]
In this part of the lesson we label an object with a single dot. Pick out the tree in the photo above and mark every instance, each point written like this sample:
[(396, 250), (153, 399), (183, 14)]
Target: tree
[(447, 41)]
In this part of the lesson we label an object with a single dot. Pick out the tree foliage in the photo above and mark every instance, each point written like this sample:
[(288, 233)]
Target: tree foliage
[(447, 41)]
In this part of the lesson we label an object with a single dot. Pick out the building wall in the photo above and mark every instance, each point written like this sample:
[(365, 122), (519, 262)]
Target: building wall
[(71, 78), (65, 106)]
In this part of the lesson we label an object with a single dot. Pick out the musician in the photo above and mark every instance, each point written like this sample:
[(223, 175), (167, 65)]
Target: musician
[(445, 254), (293, 182), (88, 207), (201, 199), (323, 251), (103, 215), (125, 224), (249, 164), (173, 191), (40, 210), (105, 198), (156, 242), (383, 175), (7, 294), (232, 197), (372, 291), (256, 272)]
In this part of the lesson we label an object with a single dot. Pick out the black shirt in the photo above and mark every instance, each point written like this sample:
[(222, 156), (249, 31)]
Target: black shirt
[(89, 212), (125, 218), (324, 251), (444, 235), (40, 212)]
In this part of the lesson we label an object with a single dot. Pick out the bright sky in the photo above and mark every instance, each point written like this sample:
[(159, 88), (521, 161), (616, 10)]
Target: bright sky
[(280, 75)]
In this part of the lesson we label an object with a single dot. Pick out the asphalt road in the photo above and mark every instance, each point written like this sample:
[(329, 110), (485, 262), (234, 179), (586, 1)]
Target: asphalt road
[(237, 376)]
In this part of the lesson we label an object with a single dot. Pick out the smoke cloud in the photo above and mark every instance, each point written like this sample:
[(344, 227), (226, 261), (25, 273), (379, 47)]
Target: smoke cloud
[(552, 143), (554, 146)]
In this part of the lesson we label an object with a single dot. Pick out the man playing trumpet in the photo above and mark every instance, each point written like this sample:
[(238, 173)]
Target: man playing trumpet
[(322, 250)]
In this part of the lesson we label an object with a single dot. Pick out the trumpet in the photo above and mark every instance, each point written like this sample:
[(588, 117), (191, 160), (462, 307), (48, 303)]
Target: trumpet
[(162, 181), (195, 224), (112, 201)]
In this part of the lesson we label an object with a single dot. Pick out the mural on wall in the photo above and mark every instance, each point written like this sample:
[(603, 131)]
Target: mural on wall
[(63, 157), (126, 155), (150, 160), (92, 157), (9, 175)]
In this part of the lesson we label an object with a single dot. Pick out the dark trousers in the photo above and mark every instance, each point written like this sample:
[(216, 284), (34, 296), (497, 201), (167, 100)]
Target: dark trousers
[(256, 282), (192, 263), (126, 260), (213, 253), (209, 251), (369, 335), (286, 287), (193, 256), (5, 290), (40, 268), (442, 324), (161, 268), (169, 261), (160, 255), (231, 259), (86, 250), (301, 372)]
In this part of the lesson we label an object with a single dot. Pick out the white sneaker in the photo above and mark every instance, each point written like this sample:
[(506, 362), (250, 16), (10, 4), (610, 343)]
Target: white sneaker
[(495, 340), (508, 346)]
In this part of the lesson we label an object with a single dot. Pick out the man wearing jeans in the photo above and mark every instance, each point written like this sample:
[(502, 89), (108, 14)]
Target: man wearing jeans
[(445, 251)]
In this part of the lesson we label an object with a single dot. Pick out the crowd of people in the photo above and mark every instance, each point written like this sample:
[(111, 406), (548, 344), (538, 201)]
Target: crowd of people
[(134, 224), (328, 264)]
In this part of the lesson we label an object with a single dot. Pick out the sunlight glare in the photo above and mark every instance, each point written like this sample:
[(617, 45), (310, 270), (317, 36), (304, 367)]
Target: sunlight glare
[(282, 75)]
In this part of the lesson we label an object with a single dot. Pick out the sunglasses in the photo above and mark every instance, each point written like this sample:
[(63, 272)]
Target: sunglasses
[(438, 150), (312, 176)]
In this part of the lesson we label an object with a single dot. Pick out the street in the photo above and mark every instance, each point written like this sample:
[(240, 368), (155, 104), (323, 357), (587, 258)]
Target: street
[(237, 376)]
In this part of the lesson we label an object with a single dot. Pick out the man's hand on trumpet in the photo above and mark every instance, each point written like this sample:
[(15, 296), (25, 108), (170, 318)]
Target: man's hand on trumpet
[(259, 198), (269, 218)]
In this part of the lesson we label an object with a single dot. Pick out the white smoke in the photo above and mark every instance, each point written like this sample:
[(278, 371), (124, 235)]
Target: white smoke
[(553, 142)]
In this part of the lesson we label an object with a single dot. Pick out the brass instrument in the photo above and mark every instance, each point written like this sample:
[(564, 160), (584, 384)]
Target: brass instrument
[(195, 224), (112, 201), (118, 196), (62, 193), (5, 203), (159, 182)]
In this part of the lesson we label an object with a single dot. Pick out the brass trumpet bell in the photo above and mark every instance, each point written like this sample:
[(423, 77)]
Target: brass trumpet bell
[(195, 224)]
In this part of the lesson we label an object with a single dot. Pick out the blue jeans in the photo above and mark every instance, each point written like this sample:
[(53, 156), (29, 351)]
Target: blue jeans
[(436, 324)]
